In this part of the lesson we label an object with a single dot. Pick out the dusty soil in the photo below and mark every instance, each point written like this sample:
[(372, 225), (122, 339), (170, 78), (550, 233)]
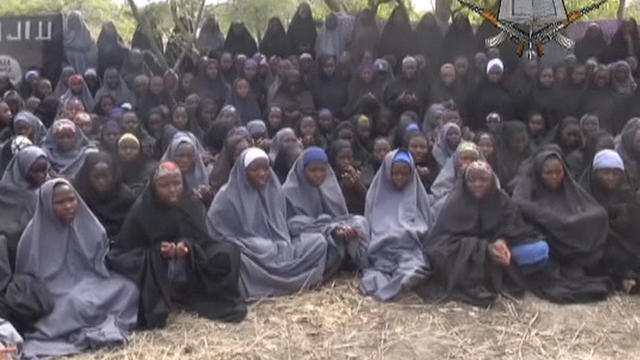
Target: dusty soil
[(336, 322)]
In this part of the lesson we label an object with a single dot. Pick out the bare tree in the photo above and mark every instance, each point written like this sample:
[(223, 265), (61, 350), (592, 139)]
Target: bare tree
[(620, 13)]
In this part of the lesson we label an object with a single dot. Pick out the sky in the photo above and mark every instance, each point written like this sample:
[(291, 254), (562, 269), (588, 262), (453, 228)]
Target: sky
[(420, 5)]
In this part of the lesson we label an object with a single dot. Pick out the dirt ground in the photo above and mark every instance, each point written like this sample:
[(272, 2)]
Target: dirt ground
[(336, 322)]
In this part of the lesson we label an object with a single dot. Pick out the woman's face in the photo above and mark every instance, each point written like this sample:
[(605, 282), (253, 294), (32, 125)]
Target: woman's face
[(601, 78), (419, 148), (344, 159), (579, 75), (24, 130), (453, 137), (101, 178), (363, 129), (156, 85), (73, 107), (111, 78), (400, 175), (325, 123), (65, 203), (609, 179), (329, 67), (479, 183), (38, 172), (308, 127), (169, 188), (45, 88), (465, 158), (552, 173), (590, 125), (519, 142), (380, 149), (187, 81), (409, 69), (212, 70), (242, 89), (536, 124), (315, 173), (180, 118), (155, 123), (238, 149), (250, 70), (207, 114), (185, 157), (275, 118), (258, 173), (65, 139), (485, 145), (494, 75), (226, 61), (620, 74), (128, 150), (110, 137), (546, 77), (106, 105), (366, 76), (571, 137), (130, 123), (346, 134), (5, 114)]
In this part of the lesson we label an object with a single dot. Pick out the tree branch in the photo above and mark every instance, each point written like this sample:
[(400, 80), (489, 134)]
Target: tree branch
[(191, 35), (620, 12), (146, 30)]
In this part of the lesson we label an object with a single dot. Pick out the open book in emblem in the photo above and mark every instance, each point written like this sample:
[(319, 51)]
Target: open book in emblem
[(532, 23)]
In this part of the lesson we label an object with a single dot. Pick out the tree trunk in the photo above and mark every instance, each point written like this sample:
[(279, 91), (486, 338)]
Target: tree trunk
[(621, 6)]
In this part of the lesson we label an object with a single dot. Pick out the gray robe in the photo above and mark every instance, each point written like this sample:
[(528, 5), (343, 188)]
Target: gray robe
[(93, 307), (66, 163), (399, 222), (273, 262), (321, 210)]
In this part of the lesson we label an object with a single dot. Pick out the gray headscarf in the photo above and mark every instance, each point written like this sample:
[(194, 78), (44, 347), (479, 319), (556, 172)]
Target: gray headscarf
[(200, 174), (277, 142), (80, 49), (17, 196), (254, 219), (121, 94), (399, 220), (66, 163), (92, 306), (442, 151), (39, 130), (429, 122)]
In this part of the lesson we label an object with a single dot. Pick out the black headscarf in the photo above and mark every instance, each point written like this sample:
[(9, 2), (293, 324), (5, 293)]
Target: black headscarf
[(210, 40), (208, 88), (574, 224), (302, 31), (459, 40), (111, 49), (47, 110), (592, 44), (397, 35), (110, 208), (274, 41), (428, 39), (329, 92), (239, 40), (508, 158), (365, 36), (212, 267)]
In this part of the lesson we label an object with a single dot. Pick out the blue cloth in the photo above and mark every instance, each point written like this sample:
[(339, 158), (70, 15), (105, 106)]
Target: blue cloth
[(314, 154), (412, 127), (402, 156), (530, 255)]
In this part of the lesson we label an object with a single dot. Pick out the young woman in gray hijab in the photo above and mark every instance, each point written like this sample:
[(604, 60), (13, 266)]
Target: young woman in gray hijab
[(249, 211), (18, 194), (64, 246), (65, 147), (398, 211), (185, 150), (315, 204)]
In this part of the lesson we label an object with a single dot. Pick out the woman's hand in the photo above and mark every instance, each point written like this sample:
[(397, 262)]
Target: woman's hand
[(182, 249), (628, 285), (168, 250), (499, 252)]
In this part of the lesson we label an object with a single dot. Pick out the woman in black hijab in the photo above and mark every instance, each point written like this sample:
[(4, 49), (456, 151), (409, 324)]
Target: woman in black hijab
[(365, 36), (363, 88), (210, 84), (302, 31), (471, 245), (545, 98), (133, 165), (274, 41), (514, 150), (459, 40), (491, 96), (567, 135), (329, 90), (239, 40), (48, 110), (600, 99), (625, 43), (606, 181), (579, 160), (164, 247), (428, 40), (571, 92), (111, 49), (210, 40), (592, 44), (407, 91), (397, 35), (574, 224), (101, 188), (521, 84)]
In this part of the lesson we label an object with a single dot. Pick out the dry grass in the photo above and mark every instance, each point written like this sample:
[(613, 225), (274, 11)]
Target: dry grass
[(336, 322)]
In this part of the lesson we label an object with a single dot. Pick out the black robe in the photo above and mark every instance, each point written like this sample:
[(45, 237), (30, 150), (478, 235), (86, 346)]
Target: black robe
[(428, 40), (571, 95), (457, 246), (302, 33), (592, 45), (487, 98), (212, 284), (239, 40), (401, 84), (274, 41), (111, 49), (603, 103), (459, 40), (397, 36), (329, 92)]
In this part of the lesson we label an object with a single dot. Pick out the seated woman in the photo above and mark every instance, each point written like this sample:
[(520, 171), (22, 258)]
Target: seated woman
[(18, 194), (315, 205), (447, 142), (471, 245), (233, 147), (398, 211), (164, 247), (66, 148), (250, 212), (186, 151), (606, 181), (349, 174), (134, 166), (64, 246), (101, 188), (572, 221)]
